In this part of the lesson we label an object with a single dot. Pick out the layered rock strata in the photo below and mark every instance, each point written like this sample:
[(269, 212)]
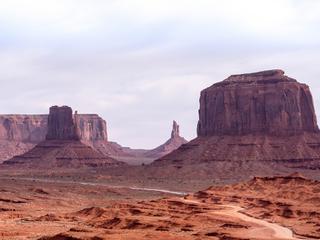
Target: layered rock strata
[(262, 121), (20, 133), (263, 103), (62, 147), (61, 124)]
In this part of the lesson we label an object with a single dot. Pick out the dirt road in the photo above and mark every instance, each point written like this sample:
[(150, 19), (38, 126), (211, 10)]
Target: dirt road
[(262, 230)]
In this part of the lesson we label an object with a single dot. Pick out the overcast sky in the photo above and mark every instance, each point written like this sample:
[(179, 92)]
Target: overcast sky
[(142, 63)]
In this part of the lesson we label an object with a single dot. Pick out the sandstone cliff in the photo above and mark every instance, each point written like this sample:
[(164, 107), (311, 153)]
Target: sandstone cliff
[(249, 124), (92, 128), (24, 128), (61, 124), (33, 128), (19, 133), (259, 103), (62, 146)]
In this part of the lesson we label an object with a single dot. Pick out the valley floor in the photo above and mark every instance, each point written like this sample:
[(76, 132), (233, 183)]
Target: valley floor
[(263, 208)]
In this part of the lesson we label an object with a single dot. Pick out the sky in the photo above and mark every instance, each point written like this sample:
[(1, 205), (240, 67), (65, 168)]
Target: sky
[(140, 64)]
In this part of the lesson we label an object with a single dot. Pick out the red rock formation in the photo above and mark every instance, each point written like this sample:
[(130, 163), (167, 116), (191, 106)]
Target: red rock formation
[(259, 123), (33, 128), (61, 125), (23, 128), (62, 147), (175, 130), (92, 128), (259, 103), (61, 154), (172, 144), (142, 156), (20, 133)]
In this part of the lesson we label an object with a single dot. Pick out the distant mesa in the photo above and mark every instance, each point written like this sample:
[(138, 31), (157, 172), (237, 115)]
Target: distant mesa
[(253, 123), (62, 147), (20, 133)]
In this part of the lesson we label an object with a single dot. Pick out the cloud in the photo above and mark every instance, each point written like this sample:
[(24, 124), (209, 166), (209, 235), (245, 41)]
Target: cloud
[(140, 64)]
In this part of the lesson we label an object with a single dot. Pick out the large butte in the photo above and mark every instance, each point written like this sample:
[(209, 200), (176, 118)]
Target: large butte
[(259, 123)]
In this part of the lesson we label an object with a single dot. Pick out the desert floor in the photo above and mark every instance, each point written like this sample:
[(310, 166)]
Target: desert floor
[(58, 209)]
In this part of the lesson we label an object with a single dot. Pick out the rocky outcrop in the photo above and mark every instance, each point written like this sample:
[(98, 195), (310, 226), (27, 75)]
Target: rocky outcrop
[(265, 102), (173, 143), (142, 156), (175, 130), (33, 128), (92, 128), (62, 147), (61, 125), (20, 133), (249, 124), (23, 128)]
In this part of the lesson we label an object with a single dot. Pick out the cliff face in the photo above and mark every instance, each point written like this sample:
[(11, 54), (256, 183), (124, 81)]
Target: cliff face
[(249, 124), (23, 128), (19, 133), (61, 125), (260, 103), (33, 128), (92, 127), (62, 146)]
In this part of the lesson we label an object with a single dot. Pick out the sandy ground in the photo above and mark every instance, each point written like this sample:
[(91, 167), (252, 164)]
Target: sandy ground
[(58, 210), (266, 229)]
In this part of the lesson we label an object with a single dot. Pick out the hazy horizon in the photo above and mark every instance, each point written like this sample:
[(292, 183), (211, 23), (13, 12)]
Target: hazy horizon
[(141, 64)]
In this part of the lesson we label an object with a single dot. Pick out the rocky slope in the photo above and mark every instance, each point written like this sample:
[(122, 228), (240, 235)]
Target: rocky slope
[(291, 201), (62, 147), (259, 123), (173, 143)]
